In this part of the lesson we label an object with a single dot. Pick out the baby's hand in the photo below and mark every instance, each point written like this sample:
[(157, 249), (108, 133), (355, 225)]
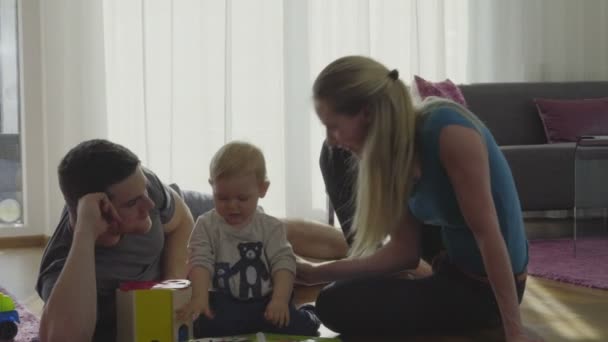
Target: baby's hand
[(277, 312), (193, 309)]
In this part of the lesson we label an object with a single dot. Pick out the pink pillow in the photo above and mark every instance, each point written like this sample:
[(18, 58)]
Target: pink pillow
[(565, 120), (446, 89)]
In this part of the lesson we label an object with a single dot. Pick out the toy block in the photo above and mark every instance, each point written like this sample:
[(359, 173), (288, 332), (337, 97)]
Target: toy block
[(145, 311)]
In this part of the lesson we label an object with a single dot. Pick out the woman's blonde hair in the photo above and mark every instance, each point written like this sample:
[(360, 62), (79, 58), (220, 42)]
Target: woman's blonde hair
[(237, 158), (353, 84)]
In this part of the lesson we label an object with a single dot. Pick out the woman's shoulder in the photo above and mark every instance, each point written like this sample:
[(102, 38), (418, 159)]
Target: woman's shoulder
[(437, 116)]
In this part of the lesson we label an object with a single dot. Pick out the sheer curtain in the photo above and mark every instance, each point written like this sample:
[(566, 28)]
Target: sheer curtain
[(537, 40), (185, 76)]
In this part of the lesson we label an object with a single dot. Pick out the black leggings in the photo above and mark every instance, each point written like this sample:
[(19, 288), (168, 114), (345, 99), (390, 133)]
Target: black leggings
[(449, 301)]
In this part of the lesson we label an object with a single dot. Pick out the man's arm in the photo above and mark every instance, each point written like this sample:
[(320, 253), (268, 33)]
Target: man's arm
[(70, 313), (177, 231)]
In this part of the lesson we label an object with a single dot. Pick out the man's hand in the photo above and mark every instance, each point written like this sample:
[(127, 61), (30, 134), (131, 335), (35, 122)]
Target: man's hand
[(277, 312), (194, 308), (97, 215)]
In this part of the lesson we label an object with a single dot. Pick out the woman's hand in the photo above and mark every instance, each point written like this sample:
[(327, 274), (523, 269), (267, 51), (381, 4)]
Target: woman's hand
[(306, 272)]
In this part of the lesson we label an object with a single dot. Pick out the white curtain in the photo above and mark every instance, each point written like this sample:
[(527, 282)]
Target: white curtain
[(73, 94), (183, 77), (537, 40)]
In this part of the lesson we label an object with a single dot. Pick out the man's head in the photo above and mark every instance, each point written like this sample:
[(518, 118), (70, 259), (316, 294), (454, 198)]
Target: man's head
[(102, 166), (238, 178)]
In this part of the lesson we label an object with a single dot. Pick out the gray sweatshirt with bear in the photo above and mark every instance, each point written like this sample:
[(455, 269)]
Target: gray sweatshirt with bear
[(241, 260)]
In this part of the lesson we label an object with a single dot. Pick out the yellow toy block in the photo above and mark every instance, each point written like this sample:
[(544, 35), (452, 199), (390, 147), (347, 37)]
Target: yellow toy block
[(145, 311)]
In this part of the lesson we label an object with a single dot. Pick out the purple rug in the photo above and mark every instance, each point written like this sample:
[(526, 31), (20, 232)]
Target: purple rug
[(28, 328), (554, 259)]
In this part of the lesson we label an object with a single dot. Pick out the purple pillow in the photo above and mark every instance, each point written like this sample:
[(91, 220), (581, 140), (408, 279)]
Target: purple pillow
[(446, 89), (565, 120)]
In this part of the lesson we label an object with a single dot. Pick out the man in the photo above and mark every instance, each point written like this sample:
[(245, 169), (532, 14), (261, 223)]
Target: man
[(121, 223)]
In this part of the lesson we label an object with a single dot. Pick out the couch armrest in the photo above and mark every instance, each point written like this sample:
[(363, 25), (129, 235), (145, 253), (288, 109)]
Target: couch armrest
[(544, 175)]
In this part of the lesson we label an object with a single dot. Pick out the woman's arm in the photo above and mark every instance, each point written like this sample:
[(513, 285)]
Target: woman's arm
[(400, 253), (465, 158)]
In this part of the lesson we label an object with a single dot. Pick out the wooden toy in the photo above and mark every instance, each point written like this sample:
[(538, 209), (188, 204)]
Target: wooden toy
[(145, 311)]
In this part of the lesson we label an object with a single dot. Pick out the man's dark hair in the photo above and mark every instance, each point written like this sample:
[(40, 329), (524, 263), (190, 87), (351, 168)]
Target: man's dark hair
[(93, 166)]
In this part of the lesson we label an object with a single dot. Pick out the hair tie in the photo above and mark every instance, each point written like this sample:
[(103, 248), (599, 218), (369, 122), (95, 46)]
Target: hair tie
[(394, 74)]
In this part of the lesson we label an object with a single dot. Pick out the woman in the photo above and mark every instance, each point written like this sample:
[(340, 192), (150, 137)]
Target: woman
[(436, 165)]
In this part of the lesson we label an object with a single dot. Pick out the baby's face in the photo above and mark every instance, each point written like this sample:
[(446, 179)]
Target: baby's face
[(236, 198)]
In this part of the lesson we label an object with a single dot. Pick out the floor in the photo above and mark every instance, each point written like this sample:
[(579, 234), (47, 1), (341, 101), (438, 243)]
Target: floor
[(19, 268), (551, 310)]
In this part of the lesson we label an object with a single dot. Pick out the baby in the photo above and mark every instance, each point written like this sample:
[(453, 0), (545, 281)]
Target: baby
[(241, 266)]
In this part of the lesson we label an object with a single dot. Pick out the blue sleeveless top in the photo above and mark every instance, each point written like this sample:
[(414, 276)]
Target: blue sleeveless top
[(433, 200)]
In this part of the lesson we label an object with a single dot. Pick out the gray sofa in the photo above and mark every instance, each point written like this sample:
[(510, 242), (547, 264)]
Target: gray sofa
[(544, 173)]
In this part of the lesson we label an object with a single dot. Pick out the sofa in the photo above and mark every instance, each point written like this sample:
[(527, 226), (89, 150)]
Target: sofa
[(543, 172)]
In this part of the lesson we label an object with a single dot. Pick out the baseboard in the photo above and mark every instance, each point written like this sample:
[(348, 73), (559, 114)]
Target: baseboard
[(23, 241), (539, 228)]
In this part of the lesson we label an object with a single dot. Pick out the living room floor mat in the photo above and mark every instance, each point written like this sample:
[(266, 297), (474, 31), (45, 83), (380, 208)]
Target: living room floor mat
[(28, 328), (554, 259)]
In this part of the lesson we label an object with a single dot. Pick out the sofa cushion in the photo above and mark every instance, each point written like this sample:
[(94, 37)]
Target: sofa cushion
[(198, 202), (446, 89), (544, 175), (509, 111), (565, 120)]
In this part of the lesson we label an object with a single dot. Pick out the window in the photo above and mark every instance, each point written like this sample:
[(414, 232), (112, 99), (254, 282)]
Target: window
[(11, 180)]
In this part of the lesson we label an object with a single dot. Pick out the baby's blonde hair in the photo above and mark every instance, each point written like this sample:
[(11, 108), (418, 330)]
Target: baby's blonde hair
[(237, 158)]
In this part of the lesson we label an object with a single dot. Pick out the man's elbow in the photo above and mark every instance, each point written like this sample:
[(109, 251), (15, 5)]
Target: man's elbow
[(60, 332)]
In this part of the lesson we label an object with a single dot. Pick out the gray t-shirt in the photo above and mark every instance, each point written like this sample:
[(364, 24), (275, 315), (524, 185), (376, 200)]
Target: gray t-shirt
[(134, 258), (241, 260)]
